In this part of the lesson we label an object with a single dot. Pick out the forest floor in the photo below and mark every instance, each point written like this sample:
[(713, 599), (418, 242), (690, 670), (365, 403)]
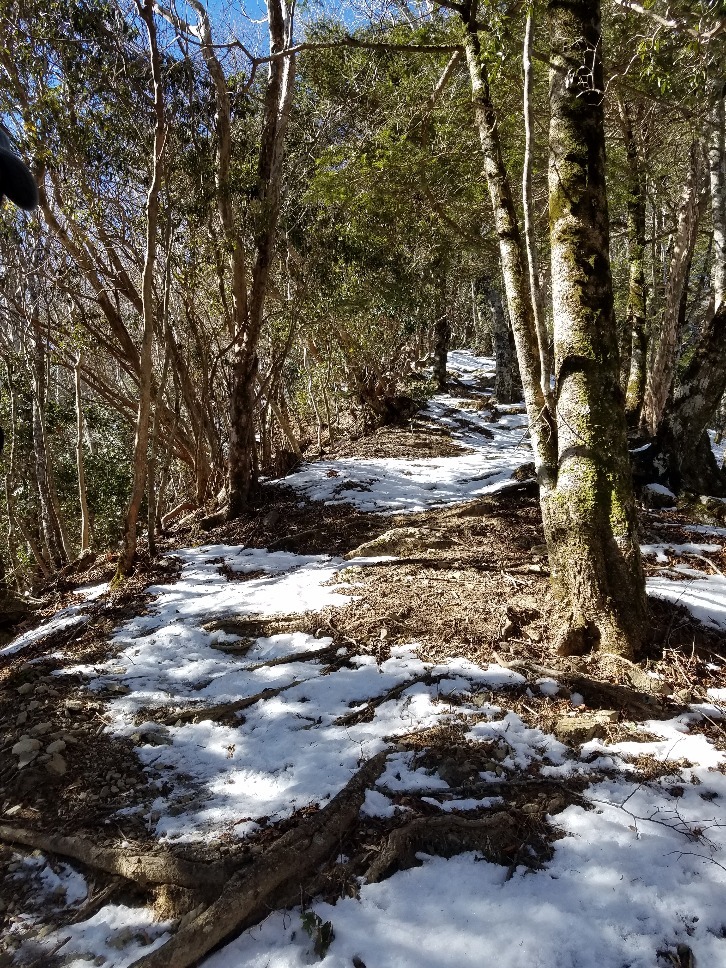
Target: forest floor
[(337, 732)]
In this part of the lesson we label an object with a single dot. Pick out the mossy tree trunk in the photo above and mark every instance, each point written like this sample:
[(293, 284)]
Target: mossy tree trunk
[(589, 514)]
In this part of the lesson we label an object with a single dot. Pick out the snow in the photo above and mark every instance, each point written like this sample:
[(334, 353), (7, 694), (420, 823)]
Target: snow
[(704, 596), (660, 489), (65, 618), (397, 485), (661, 550), (640, 868)]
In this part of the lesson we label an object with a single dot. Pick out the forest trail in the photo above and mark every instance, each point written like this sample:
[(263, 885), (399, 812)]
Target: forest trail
[(519, 808)]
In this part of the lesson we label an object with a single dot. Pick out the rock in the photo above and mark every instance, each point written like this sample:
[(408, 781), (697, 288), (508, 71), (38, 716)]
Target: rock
[(25, 689), (22, 718), (26, 745), (508, 629), (26, 749), (403, 541), (41, 729), (574, 730), (659, 496), (57, 746), (56, 764)]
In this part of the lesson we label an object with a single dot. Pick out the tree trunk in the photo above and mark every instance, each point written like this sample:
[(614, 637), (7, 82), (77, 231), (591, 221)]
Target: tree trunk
[(512, 256), (663, 362), (53, 532), (717, 173), (691, 409), (278, 101), (538, 308), (500, 344), (143, 417), (634, 340), (484, 330), (589, 515), (82, 496), (442, 337)]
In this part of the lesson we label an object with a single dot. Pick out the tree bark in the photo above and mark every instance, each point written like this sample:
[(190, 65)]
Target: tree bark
[(635, 338), (143, 417), (278, 101), (691, 409), (512, 256), (442, 336), (500, 344), (717, 174), (663, 362), (82, 495), (53, 531), (589, 515), (530, 240)]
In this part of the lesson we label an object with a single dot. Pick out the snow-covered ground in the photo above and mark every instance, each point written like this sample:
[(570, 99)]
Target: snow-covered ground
[(499, 440), (640, 868)]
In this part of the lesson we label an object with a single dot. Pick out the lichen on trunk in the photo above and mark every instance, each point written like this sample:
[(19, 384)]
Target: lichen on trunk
[(589, 513)]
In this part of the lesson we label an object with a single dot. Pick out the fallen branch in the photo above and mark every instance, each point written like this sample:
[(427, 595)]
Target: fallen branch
[(249, 894), (146, 868)]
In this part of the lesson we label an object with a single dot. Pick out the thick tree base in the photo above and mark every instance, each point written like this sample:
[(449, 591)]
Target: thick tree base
[(662, 461)]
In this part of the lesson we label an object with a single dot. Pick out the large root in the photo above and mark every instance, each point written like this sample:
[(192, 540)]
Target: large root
[(497, 837), (251, 893), (144, 869)]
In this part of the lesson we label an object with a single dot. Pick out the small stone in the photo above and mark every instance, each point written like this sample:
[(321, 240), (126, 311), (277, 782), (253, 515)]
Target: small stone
[(104, 792), (115, 789), (41, 729), (22, 718), (57, 746), (56, 764), (26, 745), (33, 705), (508, 629), (25, 688), (574, 730)]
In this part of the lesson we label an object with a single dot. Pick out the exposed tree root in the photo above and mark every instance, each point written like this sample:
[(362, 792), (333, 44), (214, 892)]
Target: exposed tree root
[(146, 868), (302, 656), (648, 704), (496, 836), (199, 714), (365, 714), (249, 894)]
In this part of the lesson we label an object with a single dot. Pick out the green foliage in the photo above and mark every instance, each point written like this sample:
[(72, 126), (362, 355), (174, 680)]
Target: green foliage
[(320, 931)]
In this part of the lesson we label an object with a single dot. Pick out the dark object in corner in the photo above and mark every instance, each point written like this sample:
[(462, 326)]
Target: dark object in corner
[(16, 179)]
